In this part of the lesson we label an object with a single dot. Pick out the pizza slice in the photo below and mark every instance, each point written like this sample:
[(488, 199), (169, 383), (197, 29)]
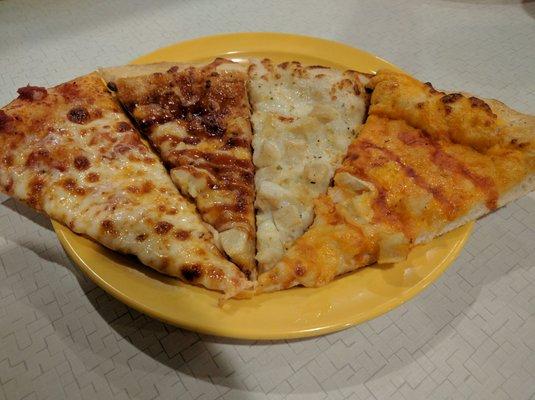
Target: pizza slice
[(197, 117), (424, 163), (303, 119), (70, 152)]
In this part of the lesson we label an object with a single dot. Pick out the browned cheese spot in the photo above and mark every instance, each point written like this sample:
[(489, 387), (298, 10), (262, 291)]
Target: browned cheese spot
[(163, 227), (181, 234), (78, 115), (142, 237), (123, 126), (191, 272), (92, 177), (108, 227), (81, 163)]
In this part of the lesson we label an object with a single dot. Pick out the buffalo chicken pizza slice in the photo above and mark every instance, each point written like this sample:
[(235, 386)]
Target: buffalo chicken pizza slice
[(424, 163), (197, 117), (303, 119), (71, 153)]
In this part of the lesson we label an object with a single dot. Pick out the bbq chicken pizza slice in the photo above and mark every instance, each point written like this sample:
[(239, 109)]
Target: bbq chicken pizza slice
[(197, 117), (71, 152), (424, 163)]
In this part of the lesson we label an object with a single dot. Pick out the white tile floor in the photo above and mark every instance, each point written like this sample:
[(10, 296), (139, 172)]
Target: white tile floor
[(470, 335)]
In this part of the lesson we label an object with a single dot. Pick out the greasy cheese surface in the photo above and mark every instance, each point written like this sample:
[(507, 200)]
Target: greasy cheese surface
[(304, 119), (71, 152), (198, 119), (401, 185)]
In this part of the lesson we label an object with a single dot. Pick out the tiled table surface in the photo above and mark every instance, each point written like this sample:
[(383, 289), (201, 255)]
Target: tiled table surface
[(469, 335)]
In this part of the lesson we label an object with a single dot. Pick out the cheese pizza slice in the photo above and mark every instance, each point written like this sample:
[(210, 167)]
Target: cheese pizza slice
[(197, 117), (71, 153), (424, 163), (303, 119)]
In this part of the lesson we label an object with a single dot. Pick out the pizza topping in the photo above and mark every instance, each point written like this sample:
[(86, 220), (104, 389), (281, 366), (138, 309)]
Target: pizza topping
[(78, 115), (123, 126), (451, 98), (32, 93), (81, 163), (36, 186), (108, 227), (191, 272), (182, 234), (142, 237), (163, 227), (92, 177), (4, 119)]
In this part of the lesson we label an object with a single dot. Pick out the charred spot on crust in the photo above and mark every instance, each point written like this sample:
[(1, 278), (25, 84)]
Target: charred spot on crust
[(478, 103), (420, 105), (32, 93), (451, 98), (4, 119), (182, 235), (431, 88), (162, 227), (81, 163), (123, 126), (78, 115), (112, 86), (142, 237), (191, 272)]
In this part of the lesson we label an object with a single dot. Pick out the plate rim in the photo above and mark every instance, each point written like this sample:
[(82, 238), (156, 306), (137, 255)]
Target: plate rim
[(222, 331)]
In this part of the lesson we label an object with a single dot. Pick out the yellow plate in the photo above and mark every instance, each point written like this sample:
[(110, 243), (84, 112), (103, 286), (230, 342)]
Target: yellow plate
[(294, 313)]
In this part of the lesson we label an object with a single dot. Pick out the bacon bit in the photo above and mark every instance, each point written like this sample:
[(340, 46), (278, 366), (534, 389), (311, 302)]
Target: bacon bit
[(173, 69), (142, 237), (78, 115), (451, 98), (191, 272), (81, 163), (32, 93), (92, 177), (4, 119), (181, 234), (123, 126), (163, 227)]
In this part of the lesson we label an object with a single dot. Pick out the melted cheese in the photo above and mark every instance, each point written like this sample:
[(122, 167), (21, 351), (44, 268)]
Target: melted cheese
[(197, 117), (75, 156), (400, 185), (303, 119)]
